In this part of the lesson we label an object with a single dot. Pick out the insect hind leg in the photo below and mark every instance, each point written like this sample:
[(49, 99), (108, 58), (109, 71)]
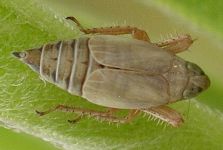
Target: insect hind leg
[(177, 44), (166, 114), (116, 30), (99, 115), (113, 119)]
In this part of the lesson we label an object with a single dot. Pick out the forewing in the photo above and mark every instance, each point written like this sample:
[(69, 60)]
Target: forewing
[(131, 54), (125, 89)]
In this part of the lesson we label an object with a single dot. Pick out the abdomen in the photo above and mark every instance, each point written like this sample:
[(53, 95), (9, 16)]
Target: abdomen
[(65, 64)]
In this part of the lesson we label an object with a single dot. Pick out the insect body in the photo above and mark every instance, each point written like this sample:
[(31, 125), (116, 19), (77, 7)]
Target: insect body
[(120, 73)]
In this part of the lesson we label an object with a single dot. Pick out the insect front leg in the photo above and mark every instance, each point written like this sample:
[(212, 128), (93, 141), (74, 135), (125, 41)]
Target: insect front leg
[(177, 44), (166, 114), (117, 30)]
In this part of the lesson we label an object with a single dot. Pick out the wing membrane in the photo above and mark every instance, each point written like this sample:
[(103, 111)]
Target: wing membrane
[(125, 89), (129, 54)]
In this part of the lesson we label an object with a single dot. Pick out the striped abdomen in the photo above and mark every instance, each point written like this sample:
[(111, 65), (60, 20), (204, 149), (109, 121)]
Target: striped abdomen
[(65, 64)]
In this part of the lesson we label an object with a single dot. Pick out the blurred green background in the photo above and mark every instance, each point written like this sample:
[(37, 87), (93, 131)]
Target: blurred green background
[(26, 24)]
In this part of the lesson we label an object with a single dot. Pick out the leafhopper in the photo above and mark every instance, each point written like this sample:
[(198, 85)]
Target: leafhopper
[(119, 73)]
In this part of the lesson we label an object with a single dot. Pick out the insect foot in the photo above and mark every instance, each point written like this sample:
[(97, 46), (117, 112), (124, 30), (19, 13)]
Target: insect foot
[(40, 113), (75, 120)]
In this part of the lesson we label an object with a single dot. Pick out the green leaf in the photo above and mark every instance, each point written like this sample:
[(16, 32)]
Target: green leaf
[(27, 24), (207, 15)]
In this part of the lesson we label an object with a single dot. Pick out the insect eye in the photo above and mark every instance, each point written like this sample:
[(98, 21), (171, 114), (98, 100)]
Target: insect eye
[(196, 89), (192, 91), (195, 69), (198, 72), (22, 54)]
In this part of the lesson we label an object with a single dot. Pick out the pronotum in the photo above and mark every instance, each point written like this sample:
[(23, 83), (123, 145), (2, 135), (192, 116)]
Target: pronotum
[(119, 73)]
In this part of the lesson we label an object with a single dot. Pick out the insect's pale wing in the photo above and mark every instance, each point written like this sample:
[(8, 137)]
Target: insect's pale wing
[(129, 54), (125, 89)]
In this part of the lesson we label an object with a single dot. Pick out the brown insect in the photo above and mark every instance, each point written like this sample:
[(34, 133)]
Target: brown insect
[(119, 73)]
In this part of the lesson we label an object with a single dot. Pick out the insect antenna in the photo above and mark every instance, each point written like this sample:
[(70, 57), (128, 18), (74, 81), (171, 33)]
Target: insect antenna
[(188, 109)]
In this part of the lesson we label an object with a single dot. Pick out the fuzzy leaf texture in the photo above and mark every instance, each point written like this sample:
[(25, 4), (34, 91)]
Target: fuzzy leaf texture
[(29, 23)]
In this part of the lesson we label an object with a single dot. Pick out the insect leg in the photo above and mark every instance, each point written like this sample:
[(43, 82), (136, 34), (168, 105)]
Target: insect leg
[(177, 44), (165, 114), (77, 22), (131, 115), (76, 119), (117, 30), (114, 119), (77, 110), (100, 115), (110, 111)]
